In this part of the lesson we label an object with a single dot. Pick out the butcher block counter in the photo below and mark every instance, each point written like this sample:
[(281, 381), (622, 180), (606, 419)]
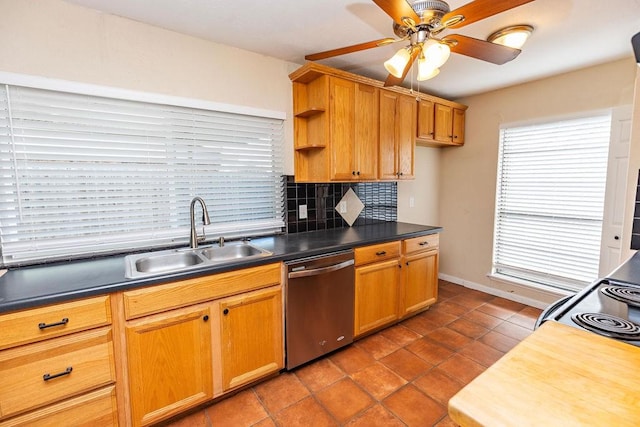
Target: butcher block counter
[(558, 376)]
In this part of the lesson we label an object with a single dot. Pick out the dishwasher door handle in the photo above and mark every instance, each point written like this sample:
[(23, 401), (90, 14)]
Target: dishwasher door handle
[(322, 270)]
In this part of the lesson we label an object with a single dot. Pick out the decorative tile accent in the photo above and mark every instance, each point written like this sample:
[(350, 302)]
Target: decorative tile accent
[(351, 205), (380, 201)]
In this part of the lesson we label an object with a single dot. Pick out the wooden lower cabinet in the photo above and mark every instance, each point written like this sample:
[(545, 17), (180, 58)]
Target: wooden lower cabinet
[(419, 282), (394, 280), (97, 408), (169, 363), (251, 336), (376, 302)]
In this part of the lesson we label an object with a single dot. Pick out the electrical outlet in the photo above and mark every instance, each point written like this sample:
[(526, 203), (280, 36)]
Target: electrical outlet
[(412, 202), (302, 212), (343, 207)]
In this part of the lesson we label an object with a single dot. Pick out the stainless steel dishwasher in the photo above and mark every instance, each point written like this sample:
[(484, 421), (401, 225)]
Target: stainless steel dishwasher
[(319, 313)]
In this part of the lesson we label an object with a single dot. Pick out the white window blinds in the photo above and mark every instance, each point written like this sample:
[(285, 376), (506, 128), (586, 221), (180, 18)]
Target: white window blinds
[(84, 174), (550, 197)]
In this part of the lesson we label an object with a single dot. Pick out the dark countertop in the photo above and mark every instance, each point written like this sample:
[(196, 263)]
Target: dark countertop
[(50, 283), (629, 271)]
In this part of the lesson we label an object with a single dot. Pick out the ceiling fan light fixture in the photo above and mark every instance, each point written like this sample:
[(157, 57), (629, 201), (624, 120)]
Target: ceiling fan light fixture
[(398, 62), (514, 36), (436, 53), (425, 70)]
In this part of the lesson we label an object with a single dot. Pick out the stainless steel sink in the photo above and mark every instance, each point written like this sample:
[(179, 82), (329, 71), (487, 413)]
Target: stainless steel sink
[(231, 251), (176, 260)]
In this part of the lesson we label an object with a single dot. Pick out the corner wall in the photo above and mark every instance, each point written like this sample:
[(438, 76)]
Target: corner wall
[(468, 173)]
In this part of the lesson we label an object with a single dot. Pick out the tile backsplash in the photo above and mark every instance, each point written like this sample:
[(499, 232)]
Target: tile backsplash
[(380, 204)]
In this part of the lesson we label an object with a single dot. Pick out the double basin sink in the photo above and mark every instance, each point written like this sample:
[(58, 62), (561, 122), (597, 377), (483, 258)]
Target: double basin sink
[(176, 260)]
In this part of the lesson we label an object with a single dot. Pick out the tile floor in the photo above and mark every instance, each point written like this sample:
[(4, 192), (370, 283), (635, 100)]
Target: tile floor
[(401, 376)]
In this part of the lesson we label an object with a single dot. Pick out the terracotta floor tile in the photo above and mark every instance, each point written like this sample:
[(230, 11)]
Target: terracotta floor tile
[(481, 353), (482, 319), (499, 341), (526, 317), (446, 422), (401, 335), (512, 330), (450, 307), (414, 408), (420, 325), (344, 399), (445, 294), (507, 304), (496, 310), (461, 368), (406, 364), (280, 392), (242, 409), (319, 374), (352, 359), (449, 338), (437, 317), (377, 345), (197, 419), (376, 416), (267, 422), (378, 380), (471, 302), (429, 351), (468, 328), (305, 413), (437, 385)]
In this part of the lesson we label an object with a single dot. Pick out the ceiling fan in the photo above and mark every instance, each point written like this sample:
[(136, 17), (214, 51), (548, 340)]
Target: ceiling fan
[(419, 23)]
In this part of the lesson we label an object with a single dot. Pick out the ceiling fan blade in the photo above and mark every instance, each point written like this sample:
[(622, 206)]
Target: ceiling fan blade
[(480, 9), (349, 49), (398, 9), (480, 49), (396, 81)]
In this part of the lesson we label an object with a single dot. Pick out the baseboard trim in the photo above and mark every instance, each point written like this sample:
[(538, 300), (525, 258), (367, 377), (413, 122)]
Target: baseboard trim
[(539, 298)]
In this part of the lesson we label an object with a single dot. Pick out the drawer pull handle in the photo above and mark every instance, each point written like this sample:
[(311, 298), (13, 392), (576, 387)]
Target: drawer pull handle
[(381, 253), (49, 325), (423, 243), (48, 377)]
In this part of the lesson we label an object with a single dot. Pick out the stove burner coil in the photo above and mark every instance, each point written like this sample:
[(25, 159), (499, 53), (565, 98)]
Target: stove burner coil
[(605, 324), (625, 294)]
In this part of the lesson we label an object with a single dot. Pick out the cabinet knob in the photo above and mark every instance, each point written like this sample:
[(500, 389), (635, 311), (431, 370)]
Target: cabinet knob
[(225, 311), (616, 237), (455, 136), (205, 317), (353, 173), (358, 173), (407, 262), (401, 173), (450, 136)]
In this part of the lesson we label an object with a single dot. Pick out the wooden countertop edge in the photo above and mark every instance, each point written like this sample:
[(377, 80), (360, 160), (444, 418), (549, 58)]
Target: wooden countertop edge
[(559, 375)]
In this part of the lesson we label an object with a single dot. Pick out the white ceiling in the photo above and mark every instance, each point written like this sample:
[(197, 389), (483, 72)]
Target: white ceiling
[(569, 34)]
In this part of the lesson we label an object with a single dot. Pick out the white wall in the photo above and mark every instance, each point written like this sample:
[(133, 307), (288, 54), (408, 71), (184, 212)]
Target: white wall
[(468, 173), (54, 39), (423, 189)]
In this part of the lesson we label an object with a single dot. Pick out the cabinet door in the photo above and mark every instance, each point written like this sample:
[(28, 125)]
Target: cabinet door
[(251, 335), (342, 129), (169, 363), (443, 123), (376, 295), (420, 281), (405, 134), (458, 126), (425, 119), (387, 146), (366, 132)]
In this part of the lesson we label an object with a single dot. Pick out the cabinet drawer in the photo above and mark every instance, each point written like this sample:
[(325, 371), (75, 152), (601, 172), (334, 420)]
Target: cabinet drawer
[(155, 299), (27, 326), (374, 253), (46, 372), (97, 408), (423, 243)]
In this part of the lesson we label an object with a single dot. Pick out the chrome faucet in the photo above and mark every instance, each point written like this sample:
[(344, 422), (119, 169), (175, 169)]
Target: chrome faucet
[(193, 240)]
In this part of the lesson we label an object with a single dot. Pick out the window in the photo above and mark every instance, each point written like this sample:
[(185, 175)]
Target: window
[(550, 200), (84, 174)]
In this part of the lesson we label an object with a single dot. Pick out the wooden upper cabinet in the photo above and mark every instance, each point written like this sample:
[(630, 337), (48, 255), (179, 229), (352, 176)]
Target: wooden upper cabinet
[(425, 119), (397, 135), (443, 131), (353, 121), (458, 126)]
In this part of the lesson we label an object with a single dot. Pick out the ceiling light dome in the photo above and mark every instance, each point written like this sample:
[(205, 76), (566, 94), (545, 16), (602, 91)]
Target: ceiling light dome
[(514, 36)]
